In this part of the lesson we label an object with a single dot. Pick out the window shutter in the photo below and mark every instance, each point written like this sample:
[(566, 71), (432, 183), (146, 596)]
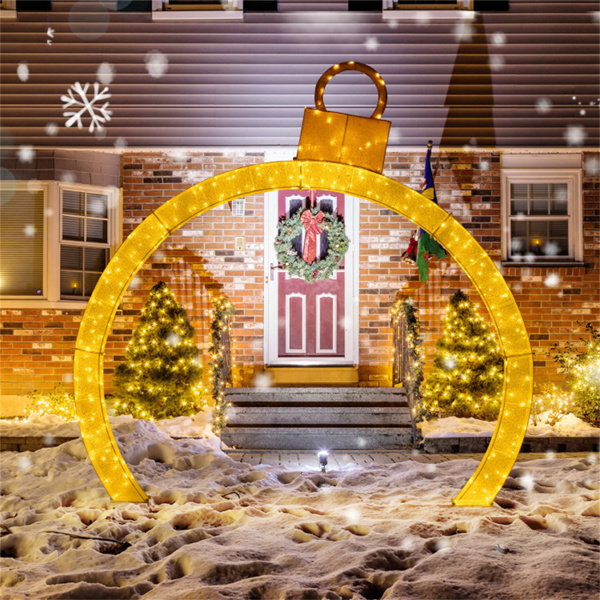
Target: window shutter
[(21, 242)]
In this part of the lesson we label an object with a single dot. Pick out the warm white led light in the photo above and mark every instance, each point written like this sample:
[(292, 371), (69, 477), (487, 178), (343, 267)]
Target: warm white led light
[(482, 487)]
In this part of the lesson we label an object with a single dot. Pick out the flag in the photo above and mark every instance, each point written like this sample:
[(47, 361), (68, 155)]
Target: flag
[(427, 246)]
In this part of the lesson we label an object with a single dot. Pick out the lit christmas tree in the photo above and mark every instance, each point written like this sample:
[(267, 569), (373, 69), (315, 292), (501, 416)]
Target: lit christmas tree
[(468, 369), (161, 377)]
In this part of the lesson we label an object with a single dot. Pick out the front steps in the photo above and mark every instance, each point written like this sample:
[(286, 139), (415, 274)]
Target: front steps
[(317, 419)]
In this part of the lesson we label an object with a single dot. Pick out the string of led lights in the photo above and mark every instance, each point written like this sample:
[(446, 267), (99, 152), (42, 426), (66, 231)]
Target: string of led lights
[(482, 487)]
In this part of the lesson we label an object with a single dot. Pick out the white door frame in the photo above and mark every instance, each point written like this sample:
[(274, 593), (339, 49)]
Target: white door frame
[(271, 291)]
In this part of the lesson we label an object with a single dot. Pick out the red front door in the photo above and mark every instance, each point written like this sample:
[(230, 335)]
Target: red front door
[(311, 317)]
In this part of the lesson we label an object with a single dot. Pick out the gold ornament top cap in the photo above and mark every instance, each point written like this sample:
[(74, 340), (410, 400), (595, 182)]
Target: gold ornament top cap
[(352, 66)]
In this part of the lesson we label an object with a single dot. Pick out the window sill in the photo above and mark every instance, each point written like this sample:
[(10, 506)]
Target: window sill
[(171, 16), (42, 304), (535, 264), (8, 15), (433, 15)]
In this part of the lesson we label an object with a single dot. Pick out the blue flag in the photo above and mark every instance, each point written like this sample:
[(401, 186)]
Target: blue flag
[(427, 246)]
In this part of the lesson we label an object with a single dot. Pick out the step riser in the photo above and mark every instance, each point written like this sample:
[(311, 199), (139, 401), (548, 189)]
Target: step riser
[(337, 397), (315, 440), (238, 416)]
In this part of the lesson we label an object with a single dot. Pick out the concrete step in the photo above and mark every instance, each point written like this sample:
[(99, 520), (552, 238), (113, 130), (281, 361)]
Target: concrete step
[(311, 418), (316, 397), (342, 416), (318, 438)]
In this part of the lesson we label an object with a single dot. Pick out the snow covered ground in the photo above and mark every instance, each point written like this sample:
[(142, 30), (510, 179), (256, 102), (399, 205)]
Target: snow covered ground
[(568, 426), (219, 529)]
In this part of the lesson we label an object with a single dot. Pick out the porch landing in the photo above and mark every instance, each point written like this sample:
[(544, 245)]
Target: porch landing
[(339, 460)]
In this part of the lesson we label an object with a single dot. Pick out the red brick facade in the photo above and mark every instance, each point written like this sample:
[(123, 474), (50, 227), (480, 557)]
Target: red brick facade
[(200, 260)]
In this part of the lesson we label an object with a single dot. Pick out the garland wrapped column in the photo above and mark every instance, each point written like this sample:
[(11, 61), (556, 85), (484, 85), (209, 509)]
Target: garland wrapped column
[(220, 358)]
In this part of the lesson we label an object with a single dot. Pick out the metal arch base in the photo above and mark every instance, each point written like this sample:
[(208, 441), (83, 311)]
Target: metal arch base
[(482, 487)]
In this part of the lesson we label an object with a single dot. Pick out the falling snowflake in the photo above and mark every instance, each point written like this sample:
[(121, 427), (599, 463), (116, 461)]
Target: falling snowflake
[(526, 482), (173, 340), (550, 454), (485, 165), (26, 154), (543, 106), (551, 248), (105, 73), (23, 72), (51, 129), (393, 24), (24, 463), (67, 177), (499, 39), (156, 63), (29, 230), (592, 166), (552, 280), (575, 135), (87, 105), (582, 112), (262, 380), (496, 63), (422, 17), (120, 143), (371, 44), (463, 32)]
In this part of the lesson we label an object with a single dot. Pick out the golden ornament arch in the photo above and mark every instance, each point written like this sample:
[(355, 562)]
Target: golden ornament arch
[(484, 484)]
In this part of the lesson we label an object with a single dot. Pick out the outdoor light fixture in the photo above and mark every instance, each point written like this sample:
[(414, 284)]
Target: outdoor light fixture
[(96, 432), (323, 460)]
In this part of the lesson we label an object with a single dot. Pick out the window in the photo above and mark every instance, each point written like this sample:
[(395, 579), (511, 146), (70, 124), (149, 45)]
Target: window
[(427, 5), (84, 247), (197, 10), (200, 5), (22, 242), (542, 215), (55, 240)]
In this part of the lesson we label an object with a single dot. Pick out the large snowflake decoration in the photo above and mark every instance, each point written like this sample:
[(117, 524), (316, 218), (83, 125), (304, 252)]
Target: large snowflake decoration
[(81, 104)]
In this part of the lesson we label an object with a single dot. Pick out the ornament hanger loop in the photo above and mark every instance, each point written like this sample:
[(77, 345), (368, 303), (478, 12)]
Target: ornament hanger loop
[(353, 66)]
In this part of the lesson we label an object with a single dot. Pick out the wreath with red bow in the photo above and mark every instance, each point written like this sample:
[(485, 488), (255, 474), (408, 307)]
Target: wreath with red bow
[(313, 221)]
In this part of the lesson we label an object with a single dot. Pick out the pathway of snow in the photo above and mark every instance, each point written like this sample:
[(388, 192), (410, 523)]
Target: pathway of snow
[(219, 529)]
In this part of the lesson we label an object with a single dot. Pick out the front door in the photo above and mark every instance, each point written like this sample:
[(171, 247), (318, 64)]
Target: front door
[(309, 323)]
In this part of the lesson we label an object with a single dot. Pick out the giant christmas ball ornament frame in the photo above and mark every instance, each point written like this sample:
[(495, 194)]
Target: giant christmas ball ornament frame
[(484, 484)]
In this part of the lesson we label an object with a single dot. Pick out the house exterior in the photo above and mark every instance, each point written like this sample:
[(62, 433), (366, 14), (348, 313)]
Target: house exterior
[(507, 91)]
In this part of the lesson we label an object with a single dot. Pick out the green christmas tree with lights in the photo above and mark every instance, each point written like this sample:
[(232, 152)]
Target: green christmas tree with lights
[(161, 376), (468, 369)]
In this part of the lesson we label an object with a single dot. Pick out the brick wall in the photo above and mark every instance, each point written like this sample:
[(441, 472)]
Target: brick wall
[(200, 260)]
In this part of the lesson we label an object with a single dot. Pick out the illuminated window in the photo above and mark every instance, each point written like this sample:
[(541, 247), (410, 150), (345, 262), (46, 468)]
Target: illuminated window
[(84, 247), (55, 240), (542, 215), (22, 240)]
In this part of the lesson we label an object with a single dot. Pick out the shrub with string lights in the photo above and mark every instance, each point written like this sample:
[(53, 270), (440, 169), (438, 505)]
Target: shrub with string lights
[(468, 369), (56, 402), (220, 358), (162, 373), (582, 367)]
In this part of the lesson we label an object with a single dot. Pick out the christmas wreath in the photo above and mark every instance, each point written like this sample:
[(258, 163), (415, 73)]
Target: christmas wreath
[(313, 221)]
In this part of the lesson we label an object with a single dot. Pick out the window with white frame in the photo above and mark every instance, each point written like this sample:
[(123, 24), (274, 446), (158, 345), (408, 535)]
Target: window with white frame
[(542, 215), (55, 239), (197, 5)]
